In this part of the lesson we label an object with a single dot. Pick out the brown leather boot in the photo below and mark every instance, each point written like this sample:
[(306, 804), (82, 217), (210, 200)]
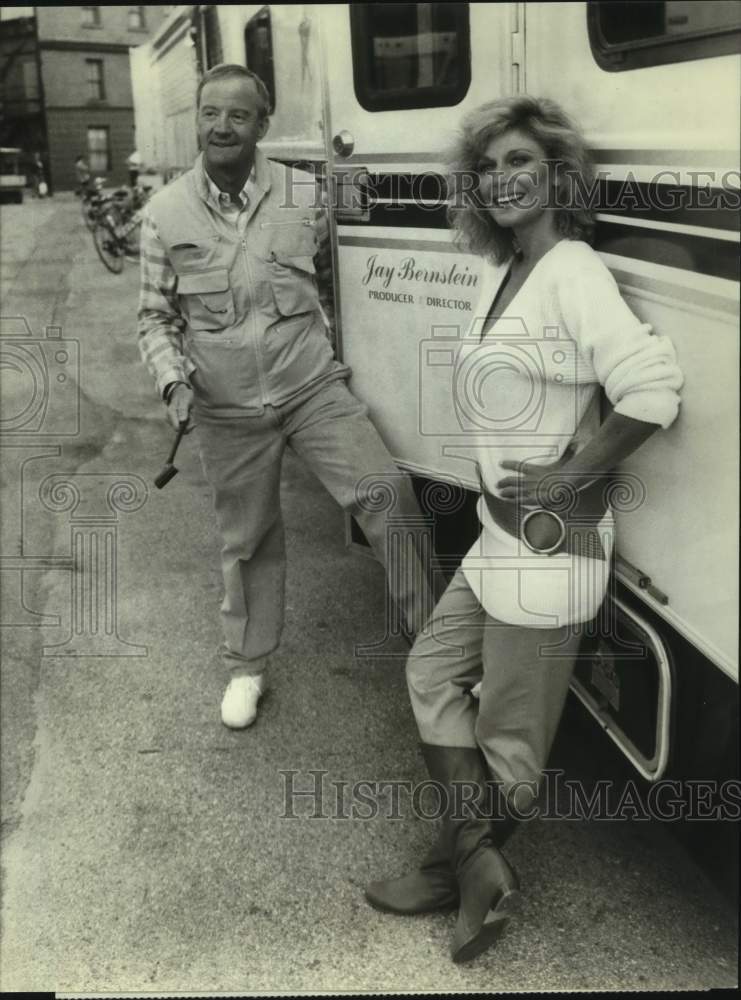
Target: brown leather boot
[(488, 887), (433, 886)]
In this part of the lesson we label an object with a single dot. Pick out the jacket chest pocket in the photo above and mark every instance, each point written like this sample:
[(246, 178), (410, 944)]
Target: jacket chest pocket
[(292, 282), (207, 298), (289, 255)]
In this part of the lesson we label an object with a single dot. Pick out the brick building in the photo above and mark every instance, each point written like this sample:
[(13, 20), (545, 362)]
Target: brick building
[(71, 85), (22, 123)]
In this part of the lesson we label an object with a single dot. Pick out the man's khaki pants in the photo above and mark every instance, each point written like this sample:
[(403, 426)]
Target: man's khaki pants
[(241, 459)]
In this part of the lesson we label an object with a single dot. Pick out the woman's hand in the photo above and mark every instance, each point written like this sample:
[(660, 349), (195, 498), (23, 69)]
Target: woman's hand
[(617, 438), (524, 486), (532, 487)]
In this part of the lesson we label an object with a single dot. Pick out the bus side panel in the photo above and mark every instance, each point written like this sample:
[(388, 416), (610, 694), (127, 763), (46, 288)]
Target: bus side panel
[(402, 283), (296, 126), (683, 533), (424, 130), (693, 104), (404, 324), (675, 269)]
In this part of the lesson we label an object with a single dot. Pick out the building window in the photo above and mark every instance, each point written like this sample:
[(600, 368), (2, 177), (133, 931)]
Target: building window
[(137, 20), (98, 149), (95, 82), (91, 17), (258, 50), (631, 35), (410, 55)]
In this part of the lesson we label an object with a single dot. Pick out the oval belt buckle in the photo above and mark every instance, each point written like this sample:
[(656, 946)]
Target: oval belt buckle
[(561, 536)]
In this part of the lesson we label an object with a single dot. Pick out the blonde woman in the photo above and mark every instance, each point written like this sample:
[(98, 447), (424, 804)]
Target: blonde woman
[(510, 619)]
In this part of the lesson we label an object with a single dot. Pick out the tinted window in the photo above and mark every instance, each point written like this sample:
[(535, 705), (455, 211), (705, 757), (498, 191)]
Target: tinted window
[(410, 55), (211, 37), (628, 35), (258, 50)]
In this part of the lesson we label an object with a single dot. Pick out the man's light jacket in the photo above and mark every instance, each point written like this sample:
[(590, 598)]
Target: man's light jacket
[(235, 312)]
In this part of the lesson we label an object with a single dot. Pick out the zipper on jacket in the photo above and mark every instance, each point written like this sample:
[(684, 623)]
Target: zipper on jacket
[(264, 398), (276, 225)]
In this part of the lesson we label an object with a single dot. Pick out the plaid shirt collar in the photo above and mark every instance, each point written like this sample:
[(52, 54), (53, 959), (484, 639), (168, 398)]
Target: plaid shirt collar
[(256, 185)]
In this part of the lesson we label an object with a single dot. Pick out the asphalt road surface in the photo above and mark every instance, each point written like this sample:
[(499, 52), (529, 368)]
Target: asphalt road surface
[(145, 848)]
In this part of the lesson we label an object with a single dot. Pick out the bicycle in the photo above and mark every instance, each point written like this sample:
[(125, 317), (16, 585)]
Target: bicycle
[(90, 194), (116, 221)]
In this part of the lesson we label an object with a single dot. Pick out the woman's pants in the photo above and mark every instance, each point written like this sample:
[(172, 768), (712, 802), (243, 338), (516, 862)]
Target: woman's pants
[(524, 674)]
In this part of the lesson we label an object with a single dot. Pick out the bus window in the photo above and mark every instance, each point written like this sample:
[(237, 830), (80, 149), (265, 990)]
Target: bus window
[(211, 49), (410, 55), (258, 50), (629, 35)]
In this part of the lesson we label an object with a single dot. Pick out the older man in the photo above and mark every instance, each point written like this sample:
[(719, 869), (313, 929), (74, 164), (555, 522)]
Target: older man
[(231, 327)]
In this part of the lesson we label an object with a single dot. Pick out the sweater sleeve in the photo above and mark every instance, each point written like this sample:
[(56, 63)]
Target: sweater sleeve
[(638, 370)]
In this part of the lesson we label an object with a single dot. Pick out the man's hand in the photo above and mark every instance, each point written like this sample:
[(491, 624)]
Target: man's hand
[(180, 405)]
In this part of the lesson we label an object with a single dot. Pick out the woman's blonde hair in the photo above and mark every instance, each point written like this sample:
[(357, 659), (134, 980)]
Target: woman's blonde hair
[(565, 148)]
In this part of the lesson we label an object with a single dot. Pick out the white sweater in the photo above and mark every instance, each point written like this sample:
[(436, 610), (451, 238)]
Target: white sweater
[(529, 389)]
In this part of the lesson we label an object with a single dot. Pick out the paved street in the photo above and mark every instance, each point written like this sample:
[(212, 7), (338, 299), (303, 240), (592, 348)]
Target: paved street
[(145, 847)]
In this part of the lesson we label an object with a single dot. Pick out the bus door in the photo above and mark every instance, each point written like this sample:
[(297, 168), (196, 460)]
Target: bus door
[(399, 78)]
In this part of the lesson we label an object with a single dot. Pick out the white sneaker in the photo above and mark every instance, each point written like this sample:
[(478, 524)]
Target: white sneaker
[(239, 704)]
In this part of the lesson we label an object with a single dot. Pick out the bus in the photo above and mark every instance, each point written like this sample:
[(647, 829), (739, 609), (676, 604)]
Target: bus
[(368, 96)]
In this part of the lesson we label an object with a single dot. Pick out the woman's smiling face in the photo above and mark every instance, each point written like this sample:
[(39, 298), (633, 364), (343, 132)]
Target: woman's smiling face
[(515, 180)]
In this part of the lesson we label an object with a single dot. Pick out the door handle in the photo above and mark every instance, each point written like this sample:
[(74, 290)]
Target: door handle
[(351, 199)]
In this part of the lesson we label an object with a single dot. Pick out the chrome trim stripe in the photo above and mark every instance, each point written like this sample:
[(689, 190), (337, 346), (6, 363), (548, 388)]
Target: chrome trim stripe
[(670, 227), (648, 157), (437, 246), (678, 291), (392, 158), (668, 157), (651, 768)]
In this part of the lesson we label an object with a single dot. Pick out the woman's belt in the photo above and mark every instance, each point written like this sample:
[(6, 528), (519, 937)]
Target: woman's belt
[(569, 523)]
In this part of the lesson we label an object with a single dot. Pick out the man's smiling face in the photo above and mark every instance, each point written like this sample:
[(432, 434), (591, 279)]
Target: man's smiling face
[(231, 121)]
